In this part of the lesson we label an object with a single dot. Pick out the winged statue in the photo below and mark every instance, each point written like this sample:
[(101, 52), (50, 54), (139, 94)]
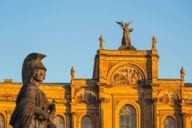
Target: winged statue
[(126, 39)]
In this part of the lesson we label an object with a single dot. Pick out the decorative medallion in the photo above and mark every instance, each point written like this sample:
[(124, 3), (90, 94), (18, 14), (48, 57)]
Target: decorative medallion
[(126, 75), (168, 97)]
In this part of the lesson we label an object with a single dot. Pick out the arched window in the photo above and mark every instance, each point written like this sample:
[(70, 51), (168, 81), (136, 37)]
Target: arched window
[(86, 122), (60, 123), (169, 122), (2, 121), (127, 117)]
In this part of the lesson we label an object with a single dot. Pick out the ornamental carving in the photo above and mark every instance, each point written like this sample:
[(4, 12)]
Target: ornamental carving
[(126, 75), (168, 97), (188, 102), (104, 100), (88, 97)]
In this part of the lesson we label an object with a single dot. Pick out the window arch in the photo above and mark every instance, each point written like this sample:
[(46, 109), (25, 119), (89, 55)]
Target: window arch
[(127, 117), (169, 122), (86, 122), (60, 122), (2, 121)]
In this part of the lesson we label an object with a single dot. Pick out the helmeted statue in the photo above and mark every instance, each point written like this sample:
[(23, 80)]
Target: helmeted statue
[(32, 107), (126, 39)]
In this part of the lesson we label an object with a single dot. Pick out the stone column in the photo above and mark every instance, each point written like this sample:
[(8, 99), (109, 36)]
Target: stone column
[(105, 113), (68, 120), (74, 120)]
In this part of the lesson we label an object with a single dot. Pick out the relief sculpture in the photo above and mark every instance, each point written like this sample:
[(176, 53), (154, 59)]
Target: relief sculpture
[(88, 97), (168, 97), (126, 75)]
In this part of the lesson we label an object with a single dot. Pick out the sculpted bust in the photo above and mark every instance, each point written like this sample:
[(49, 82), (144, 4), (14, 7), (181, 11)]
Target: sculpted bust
[(32, 107)]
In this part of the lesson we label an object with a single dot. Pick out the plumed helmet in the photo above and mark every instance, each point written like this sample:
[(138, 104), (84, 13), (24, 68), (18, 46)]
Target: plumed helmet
[(32, 61)]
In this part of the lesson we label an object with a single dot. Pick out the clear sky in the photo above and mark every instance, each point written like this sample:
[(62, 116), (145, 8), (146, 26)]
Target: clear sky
[(68, 31)]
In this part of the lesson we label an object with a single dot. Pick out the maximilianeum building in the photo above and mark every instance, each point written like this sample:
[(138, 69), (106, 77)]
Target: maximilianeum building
[(124, 92)]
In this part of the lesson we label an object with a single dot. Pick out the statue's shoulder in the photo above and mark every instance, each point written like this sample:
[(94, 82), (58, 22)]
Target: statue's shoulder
[(31, 87)]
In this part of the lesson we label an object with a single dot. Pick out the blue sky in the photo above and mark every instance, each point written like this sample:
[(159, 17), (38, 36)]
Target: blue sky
[(68, 31)]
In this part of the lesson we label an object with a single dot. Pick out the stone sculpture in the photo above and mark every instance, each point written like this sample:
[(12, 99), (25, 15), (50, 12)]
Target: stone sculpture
[(32, 107), (72, 73), (101, 41), (182, 73), (154, 42), (126, 40)]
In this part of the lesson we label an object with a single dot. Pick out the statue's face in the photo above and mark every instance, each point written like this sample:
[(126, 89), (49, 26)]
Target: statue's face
[(39, 75)]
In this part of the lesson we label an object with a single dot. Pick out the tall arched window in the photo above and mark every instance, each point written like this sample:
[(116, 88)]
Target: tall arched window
[(86, 122), (2, 121), (60, 123), (169, 122), (127, 117)]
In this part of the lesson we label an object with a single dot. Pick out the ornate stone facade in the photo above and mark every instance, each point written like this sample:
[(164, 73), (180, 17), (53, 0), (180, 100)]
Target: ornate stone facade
[(125, 90)]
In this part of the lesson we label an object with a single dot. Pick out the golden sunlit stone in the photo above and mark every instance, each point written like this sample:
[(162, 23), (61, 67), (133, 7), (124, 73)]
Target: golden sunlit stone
[(125, 83)]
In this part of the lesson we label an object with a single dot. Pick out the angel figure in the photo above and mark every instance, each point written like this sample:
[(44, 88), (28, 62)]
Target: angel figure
[(126, 40)]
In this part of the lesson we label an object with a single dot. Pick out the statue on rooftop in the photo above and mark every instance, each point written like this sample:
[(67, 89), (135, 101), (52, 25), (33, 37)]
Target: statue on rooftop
[(32, 107), (126, 39), (72, 72), (154, 42), (182, 73), (101, 41)]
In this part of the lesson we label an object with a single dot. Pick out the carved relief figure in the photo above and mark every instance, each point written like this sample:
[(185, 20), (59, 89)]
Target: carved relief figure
[(164, 99), (169, 97), (32, 108), (134, 77), (126, 75), (88, 97), (80, 98)]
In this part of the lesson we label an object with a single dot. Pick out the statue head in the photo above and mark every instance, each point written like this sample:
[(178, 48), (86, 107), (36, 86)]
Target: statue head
[(33, 68)]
